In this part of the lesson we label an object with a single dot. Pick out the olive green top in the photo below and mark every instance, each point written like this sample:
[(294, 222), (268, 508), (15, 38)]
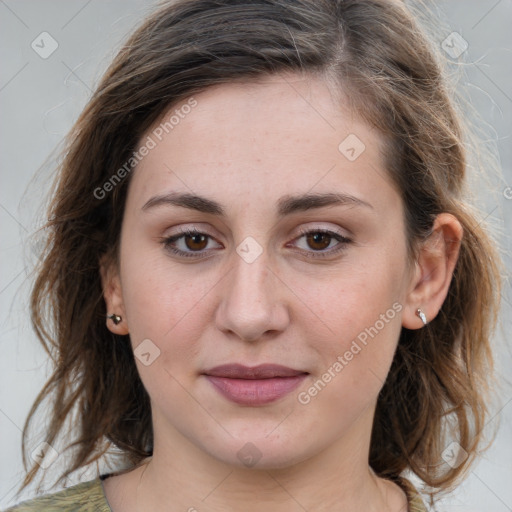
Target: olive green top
[(89, 497), (84, 497)]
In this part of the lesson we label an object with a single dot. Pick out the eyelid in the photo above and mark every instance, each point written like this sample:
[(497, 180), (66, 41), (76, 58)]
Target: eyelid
[(304, 230)]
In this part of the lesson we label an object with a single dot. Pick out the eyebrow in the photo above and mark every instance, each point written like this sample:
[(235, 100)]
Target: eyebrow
[(286, 205)]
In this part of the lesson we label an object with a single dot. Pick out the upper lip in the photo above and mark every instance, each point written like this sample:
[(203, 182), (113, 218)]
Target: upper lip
[(262, 371)]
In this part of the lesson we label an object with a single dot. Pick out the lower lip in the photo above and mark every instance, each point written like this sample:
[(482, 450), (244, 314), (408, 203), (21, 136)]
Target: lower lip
[(255, 391)]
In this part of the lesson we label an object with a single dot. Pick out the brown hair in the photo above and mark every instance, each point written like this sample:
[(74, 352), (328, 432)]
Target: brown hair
[(377, 52)]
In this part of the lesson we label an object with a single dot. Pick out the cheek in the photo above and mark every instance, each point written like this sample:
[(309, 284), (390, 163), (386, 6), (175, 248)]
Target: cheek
[(167, 306), (163, 302), (360, 312), (352, 299), (354, 363)]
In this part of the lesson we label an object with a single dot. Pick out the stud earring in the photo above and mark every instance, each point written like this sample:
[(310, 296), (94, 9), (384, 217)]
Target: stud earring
[(115, 318), (422, 316)]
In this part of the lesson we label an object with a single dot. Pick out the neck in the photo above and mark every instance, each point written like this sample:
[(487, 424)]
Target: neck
[(180, 476)]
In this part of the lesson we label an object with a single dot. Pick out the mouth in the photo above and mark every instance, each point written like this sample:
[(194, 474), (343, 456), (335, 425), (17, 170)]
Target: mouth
[(258, 385)]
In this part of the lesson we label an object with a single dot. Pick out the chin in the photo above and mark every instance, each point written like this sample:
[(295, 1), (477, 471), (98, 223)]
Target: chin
[(256, 451)]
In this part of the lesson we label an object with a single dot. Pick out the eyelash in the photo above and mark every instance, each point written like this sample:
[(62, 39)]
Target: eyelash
[(343, 242)]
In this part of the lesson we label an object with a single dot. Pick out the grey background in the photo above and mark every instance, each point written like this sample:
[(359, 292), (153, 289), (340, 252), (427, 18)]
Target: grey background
[(41, 98)]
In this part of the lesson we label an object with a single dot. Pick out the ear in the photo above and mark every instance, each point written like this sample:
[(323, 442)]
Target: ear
[(112, 293), (433, 271)]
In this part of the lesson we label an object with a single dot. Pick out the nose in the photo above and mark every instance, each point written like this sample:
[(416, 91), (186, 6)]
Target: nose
[(252, 304)]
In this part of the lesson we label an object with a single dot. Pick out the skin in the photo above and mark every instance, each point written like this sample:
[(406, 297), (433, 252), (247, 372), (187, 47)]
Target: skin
[(246, 146)]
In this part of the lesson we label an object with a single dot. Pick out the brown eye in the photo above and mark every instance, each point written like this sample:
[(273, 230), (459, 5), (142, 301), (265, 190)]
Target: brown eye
[(196, 242), (320, 243), (318, 240), (190, 243)]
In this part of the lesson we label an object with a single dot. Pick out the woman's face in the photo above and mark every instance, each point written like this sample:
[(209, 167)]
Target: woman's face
[(299, 261)]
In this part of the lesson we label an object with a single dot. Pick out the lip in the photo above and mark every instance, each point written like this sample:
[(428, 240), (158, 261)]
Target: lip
[(257, 385)]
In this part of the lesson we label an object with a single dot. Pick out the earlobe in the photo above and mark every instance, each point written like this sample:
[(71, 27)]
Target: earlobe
[(434, 271), (112, 293)]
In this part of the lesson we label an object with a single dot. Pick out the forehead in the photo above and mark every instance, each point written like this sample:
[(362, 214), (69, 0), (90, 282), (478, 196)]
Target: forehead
[(281, 135)]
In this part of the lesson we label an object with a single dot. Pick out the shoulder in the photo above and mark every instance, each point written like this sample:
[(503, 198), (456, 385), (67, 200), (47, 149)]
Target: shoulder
[(84, 497)]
